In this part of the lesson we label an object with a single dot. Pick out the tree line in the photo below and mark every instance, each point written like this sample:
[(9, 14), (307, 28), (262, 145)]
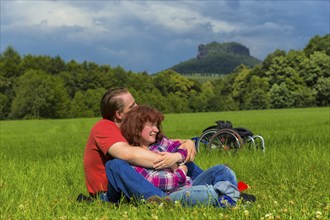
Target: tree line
[(48, 87)]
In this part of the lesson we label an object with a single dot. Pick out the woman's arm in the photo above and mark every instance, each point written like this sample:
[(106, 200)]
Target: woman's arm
[(166, 146), (167, 160)]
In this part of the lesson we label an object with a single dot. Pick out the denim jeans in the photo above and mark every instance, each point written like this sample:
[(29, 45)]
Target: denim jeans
[(125, 181), (193, 170), (208, 188)]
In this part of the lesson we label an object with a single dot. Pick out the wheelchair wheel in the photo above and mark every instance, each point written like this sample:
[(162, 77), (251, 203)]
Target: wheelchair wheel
[(205, 137), (225, 139)]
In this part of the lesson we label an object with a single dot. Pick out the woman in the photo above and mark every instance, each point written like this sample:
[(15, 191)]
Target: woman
[(216, 186)]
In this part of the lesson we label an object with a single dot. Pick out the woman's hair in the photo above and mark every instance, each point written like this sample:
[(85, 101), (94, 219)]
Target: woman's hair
[(135, 120), (112, 102)]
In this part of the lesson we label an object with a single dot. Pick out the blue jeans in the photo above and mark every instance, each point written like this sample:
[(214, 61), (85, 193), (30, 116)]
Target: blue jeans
[(209, 187), (193, 170), (125, 181)]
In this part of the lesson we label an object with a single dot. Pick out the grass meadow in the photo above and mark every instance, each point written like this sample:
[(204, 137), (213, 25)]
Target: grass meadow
[(42, 168)]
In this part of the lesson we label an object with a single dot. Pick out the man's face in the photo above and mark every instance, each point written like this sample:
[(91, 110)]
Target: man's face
[(148, 134), (129, 103)]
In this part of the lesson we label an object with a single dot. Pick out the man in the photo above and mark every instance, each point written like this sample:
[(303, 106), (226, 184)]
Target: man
[(105, 143)]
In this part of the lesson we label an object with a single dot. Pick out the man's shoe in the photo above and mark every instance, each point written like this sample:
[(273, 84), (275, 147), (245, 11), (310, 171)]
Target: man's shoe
[(159, 200), (247, 197), (82, 198)]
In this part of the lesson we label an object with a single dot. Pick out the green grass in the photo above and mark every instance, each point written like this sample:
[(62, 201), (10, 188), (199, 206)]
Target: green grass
[(42, 169)]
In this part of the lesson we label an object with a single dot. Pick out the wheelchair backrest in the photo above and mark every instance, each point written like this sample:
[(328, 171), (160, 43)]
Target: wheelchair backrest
[(224, 124), (243, 132)]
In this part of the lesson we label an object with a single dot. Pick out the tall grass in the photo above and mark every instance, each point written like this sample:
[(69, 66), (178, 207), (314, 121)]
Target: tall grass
[(42, 169)]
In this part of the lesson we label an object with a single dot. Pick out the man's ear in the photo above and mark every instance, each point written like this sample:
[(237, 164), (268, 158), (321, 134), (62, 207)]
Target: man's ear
[(119, 115)]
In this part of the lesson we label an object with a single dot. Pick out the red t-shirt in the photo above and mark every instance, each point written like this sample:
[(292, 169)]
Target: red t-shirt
[(103, 135)]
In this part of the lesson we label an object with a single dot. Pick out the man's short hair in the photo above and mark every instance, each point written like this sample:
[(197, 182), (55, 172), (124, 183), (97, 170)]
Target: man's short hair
[(111, 102)]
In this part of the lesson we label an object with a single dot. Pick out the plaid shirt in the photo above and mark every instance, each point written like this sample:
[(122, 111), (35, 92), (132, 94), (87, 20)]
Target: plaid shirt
[(166, 179)]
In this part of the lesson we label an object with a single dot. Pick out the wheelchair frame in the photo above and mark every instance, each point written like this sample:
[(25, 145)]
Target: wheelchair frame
[(227, 138)]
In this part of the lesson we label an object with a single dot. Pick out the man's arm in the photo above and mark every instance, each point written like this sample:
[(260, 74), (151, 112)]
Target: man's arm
[(138, 156)]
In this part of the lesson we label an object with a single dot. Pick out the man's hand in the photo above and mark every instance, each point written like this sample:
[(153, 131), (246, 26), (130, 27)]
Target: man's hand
[(189, 145), (167, 160)]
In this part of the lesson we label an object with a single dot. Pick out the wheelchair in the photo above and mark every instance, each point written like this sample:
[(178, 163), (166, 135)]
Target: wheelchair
[(224, 137)]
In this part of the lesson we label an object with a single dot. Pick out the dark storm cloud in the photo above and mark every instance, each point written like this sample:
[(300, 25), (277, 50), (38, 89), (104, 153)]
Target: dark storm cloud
[(154, 35)]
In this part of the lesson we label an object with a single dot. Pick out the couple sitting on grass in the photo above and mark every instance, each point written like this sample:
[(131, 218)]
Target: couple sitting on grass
[(148, 165)]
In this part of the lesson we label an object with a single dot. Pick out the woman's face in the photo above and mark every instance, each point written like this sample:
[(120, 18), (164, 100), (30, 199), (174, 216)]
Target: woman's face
[(149, 133)]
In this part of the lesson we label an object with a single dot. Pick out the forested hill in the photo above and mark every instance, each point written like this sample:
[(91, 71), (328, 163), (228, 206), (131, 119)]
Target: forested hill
[(217, 58), (48, 87)]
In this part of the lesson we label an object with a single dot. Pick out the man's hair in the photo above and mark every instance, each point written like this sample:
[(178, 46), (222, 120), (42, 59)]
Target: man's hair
[(111, 102), (134, 121)]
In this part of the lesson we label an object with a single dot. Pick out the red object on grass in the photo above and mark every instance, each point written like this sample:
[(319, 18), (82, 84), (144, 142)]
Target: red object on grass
[(242, 186)]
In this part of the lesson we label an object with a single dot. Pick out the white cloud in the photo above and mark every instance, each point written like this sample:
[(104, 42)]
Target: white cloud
[(146, 30), (112, 20), (51, 14)]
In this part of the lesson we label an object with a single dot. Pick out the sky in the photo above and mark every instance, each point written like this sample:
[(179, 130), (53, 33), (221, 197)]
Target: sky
[(154, 35)]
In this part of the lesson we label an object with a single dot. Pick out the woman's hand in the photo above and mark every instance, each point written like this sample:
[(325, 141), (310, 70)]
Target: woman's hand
[(189, 145), (174, 167), (167, 160), (184, 168)]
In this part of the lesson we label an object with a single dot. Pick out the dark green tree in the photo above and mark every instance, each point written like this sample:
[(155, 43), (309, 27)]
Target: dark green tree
[(315, 67), (44, 63), (256, 94), (280, 96), (40, 95), (152, 98), (169, 82), (240, 84), (318, 43), (223, 98), (322, 90), (10, 70), (176, 103), (120, 78), (142, 82), (198, 101), (87, 103), (10, 63), (269, 59)]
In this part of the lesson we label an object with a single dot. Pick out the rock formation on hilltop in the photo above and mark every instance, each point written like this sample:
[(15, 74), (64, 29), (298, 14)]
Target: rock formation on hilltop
[(216, 48), (217, 58)]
